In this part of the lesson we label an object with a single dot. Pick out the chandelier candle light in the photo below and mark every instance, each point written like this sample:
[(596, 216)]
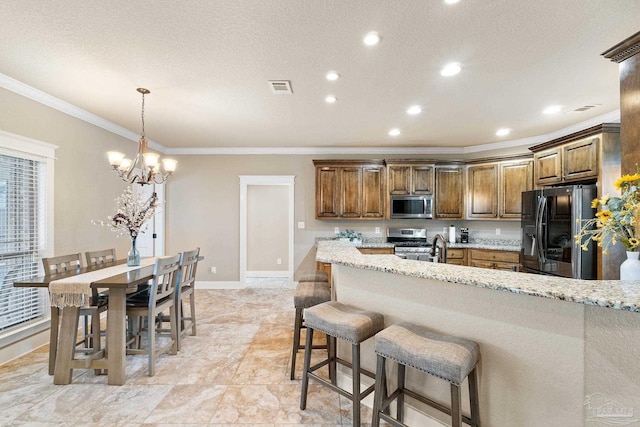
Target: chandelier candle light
[(145, 168)]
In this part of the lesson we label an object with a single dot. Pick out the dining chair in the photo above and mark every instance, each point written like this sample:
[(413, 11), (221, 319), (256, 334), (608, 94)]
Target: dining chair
[(144, 308), (91, 331), (187, 279), (100, 257)]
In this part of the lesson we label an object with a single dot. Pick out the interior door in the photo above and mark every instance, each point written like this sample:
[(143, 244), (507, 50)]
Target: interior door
[(151, 242)]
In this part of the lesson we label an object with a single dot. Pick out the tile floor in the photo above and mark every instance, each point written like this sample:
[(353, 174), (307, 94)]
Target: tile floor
[(235, 372)]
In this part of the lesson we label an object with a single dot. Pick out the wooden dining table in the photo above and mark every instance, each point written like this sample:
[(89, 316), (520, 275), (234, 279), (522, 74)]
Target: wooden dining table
[(113, 357)]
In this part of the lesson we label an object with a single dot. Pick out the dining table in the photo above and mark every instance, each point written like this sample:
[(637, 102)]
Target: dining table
[(112, 358)]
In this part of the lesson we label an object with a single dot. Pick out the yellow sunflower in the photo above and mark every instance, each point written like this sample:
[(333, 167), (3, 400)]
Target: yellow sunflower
[(625, 179), (594, 203), (633, 242)]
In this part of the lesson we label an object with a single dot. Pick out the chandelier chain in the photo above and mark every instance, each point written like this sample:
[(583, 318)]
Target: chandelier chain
[(143, 114)]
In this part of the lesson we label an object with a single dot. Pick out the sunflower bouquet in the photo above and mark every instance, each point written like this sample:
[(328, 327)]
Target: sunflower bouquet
[(617, 219)]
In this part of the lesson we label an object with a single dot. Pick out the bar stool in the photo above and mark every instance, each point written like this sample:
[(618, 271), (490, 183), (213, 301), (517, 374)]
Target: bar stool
[(307, 294), (348, 323), (314, 276), (450, 358)]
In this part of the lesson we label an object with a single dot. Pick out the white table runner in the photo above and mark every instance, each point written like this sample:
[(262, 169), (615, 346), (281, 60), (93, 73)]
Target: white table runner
[(75, 291)]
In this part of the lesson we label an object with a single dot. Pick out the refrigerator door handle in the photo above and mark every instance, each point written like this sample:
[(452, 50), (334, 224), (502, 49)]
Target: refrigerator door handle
[(542, 206)]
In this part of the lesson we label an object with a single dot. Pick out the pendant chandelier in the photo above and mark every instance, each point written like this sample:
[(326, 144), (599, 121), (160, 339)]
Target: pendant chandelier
[(145, 168)]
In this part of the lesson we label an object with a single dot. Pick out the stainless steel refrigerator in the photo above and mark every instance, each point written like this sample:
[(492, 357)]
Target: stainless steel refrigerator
[(550, 220)]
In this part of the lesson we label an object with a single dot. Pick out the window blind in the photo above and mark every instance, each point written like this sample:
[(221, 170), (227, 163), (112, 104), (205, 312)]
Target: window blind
[(21, 239)]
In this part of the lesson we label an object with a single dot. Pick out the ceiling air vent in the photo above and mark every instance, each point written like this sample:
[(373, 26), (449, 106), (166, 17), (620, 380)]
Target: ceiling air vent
[(280, 87), (586, 107)]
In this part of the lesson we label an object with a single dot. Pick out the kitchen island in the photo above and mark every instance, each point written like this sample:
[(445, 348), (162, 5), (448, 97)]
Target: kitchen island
[(554, 351)]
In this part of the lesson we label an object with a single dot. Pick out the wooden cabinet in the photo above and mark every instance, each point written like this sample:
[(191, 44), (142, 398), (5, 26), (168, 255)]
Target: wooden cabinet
[(567, 162), (377, 251), (494, 259), (494, 190), (326, 267), (457, 256), (409, 177), (448, 192), (350, 189)]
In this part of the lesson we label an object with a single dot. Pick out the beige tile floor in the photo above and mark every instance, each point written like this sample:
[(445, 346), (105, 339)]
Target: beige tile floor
[(235, 372)]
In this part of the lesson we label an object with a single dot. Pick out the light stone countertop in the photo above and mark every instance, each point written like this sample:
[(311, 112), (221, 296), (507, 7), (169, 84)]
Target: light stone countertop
[(615, 294)]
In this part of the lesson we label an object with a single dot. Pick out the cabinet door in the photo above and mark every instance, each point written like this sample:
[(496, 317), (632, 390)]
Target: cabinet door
[(373, 192), (399, 180), (448, 196), (514, 179), (422, 180), (581, 159), (327, 192), (350, 191), (482, 191), (548, 167)]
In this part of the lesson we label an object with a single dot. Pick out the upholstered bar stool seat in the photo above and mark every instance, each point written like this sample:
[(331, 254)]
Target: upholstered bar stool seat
[(307, 294), (348, 323), (450, 358), (314, 276)]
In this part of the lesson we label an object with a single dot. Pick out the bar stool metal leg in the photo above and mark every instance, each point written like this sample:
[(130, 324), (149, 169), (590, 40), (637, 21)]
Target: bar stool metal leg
[(473, 397), (401, 376), (456, 412), (305, 374), (355, 366), (381, 379), (296, 340)]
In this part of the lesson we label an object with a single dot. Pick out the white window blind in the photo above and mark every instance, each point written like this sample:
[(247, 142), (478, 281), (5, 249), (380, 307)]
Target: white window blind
[(21, 240)]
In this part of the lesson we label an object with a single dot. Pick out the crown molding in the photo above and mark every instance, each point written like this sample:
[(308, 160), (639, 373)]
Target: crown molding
[(624, 50), (62, 106)]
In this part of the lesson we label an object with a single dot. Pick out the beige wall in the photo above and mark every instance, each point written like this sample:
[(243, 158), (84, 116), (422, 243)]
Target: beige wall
[(267, 227)]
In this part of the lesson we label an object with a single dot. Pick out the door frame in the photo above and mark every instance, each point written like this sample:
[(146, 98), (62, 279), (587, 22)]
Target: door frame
[(247, 180)]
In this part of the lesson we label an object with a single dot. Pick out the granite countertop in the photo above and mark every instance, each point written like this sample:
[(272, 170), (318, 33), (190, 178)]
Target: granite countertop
[(615, 294)]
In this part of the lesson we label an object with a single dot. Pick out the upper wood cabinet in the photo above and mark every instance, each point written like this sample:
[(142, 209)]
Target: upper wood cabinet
[(350, 189), (448, 202), (409, 177), (494, 190), (576, 157)]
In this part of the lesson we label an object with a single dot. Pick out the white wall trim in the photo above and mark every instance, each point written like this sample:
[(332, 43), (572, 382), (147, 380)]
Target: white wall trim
[(12, 144), (245, 181), (70, 109)]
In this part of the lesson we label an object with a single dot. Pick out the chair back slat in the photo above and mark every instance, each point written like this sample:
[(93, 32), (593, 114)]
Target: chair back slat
[(62, 263), (165, 276), (101, 257), (188, 266)]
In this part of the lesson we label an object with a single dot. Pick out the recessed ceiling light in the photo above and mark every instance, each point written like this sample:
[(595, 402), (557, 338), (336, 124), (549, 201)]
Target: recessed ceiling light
[(332, 75), (503, 132), (372, 38), (394, 132), (414, 109), (330, 99), (451, 69), (451, 1), (552, 109)]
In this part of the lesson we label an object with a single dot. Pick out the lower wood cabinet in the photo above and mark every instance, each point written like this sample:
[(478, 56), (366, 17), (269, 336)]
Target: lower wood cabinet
[(377, 251), (457, 256), (494, 259), (324, 266)]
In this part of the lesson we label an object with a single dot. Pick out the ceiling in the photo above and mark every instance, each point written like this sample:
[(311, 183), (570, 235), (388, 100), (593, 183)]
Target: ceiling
[(207, 64)]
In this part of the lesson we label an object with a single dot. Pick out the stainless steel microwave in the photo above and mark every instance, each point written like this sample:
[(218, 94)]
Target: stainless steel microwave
[(411, 206)]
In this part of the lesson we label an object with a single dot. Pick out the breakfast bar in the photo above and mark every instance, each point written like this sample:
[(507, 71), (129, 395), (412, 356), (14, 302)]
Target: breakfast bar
[(554, 351)]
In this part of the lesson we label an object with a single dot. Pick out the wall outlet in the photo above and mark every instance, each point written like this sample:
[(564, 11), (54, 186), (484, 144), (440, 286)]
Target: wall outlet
[(301, 224), (336, 230), (214, 270), (377, 230), (497, 231), (279, 261)]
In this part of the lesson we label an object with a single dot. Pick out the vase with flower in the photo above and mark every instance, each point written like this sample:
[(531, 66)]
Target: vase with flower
[(617, 220), (131, 219)]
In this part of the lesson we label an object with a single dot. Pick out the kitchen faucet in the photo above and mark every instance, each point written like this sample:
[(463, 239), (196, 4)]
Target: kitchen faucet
[(442, 250)]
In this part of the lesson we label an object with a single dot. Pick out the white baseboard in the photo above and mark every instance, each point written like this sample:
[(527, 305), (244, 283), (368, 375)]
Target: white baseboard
[(219, 285), (22, 347)]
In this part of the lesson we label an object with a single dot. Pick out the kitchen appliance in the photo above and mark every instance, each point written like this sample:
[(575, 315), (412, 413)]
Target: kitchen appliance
[(412, 207), (464, 235), (410, 243), (550, 219)]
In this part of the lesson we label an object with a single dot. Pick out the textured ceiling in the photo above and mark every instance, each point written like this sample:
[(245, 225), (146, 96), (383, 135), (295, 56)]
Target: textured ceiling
[(207, 64)]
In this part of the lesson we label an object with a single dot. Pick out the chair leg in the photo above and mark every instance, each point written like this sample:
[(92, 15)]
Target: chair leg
[(355, 363), (192, 304), (173, 320), (53, 338), (400, 399), (331, 351), (379, 393), (96, 345), (151, 339), (307, 365), (473, 397), (297, 325), (456, 412), (179, 310)]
